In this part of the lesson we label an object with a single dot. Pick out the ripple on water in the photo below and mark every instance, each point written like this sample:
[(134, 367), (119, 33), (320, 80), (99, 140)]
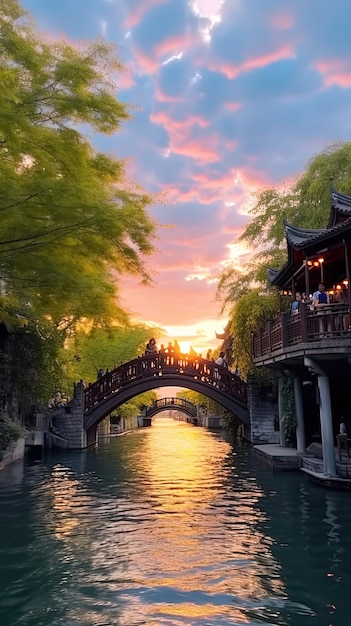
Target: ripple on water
[(169, 527)]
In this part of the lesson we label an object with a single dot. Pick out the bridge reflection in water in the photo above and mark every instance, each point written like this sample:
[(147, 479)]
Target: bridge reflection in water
[(161, 370)]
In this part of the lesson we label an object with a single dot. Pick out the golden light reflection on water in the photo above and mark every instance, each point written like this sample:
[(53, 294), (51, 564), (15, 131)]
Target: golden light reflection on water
[(198, 534), (70, 504), (177, 539)]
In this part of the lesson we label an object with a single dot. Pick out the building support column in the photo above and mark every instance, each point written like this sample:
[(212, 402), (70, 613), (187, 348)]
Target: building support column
[(329, 463), (299, 413), (282, 437)]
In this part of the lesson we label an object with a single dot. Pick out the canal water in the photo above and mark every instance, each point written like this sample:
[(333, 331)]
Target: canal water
[(170, 526)]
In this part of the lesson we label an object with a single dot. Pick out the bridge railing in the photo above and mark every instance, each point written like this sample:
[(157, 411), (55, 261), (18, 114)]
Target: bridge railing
[(161, 364)]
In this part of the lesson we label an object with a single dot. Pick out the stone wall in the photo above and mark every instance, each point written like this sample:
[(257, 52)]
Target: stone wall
[(15, 452), (68, 421), (213, 422), (263, 415), (104, 428)]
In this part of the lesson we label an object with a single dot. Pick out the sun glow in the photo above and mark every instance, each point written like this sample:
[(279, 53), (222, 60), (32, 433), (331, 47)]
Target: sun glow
[(185, 347)]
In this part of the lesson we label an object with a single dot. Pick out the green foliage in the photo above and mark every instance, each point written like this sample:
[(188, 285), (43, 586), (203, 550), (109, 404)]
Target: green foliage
[(288, 411), (103, 347), (35, 371), (70, 221), (10, 432), (200, 400), (247, 315), (133, 407), (306, 203)]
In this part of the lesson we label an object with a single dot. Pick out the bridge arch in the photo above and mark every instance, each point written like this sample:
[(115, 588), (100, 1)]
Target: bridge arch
[(153, 372), (172, 404)]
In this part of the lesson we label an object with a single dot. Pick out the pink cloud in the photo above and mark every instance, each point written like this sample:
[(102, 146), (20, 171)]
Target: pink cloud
[(124, 80), (205, 149), (226, 190), (283, 20), (233, 71), (232, 106), (335, 72), (173, 45), (196, 296), (145, 62), (161, 96), (54, 37), (173, 126), (135, 17)]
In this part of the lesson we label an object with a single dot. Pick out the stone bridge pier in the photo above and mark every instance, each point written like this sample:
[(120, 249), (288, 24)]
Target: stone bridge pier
[(69, 422)]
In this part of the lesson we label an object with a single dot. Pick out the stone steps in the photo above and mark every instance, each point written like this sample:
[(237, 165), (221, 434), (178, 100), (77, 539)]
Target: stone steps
[(312, 464)]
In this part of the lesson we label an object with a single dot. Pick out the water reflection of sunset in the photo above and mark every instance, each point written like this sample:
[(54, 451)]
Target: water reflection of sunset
[(70, 502), (188, 480)]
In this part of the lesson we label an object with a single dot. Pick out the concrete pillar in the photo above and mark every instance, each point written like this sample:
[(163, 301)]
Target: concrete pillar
[(299, 413), (325, 417), (326, 426), (282, 437)]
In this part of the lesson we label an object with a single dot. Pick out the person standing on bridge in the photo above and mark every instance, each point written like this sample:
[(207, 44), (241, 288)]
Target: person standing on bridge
[(221, 360), (176, 349), (151, 347)]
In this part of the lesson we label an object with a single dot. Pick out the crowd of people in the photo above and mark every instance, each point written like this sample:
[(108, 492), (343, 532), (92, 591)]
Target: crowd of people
[(318, 299), (175, 350)]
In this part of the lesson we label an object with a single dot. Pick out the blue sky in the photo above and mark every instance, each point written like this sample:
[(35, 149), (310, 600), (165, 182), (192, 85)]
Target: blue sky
[(233, 96)]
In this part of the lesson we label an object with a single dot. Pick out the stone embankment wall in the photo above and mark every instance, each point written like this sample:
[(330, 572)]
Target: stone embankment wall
[(125, 425), (15, 452), (263, 415)]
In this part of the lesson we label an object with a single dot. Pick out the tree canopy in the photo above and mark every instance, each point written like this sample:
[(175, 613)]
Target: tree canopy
[(71, 222), (304, 202)]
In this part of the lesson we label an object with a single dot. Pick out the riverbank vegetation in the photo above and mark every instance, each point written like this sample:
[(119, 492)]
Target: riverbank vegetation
[(304, 202), (72, 223)]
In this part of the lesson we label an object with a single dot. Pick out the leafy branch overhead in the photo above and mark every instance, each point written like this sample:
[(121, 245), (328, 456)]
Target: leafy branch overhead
[(71, 223)]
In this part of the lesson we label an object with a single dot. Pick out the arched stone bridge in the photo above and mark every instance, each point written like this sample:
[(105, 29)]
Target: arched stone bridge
[(168, 404), (163, 370)]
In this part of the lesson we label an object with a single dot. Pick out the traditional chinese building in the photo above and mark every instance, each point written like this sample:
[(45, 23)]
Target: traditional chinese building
[(314, 346)]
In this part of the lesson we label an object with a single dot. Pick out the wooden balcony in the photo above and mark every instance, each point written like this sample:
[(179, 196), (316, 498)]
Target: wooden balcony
[(325, 328)]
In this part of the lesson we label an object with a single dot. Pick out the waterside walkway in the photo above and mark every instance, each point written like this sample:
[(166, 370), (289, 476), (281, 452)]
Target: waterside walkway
[(282, 458)]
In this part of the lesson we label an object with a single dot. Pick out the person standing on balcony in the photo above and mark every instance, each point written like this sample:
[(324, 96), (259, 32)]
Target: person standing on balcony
[(320, 296), (295, 305)]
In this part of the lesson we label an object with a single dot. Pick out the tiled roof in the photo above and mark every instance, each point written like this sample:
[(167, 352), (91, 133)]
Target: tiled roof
[(302, 237), (272, 274), (341, 202), (298, 237)]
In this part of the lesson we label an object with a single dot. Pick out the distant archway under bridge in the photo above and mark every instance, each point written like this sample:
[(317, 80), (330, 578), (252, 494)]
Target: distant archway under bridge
[(162, 370), (172, 404)]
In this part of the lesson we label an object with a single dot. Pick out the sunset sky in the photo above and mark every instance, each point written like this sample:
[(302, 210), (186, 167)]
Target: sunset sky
[(232, 96)]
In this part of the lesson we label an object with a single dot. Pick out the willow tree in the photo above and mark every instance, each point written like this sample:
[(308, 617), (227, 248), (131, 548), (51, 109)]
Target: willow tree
[(71, 222), (86, 352), (304, 202)]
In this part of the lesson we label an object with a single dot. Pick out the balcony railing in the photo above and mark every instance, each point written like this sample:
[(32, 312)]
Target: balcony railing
[(309, 324)]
